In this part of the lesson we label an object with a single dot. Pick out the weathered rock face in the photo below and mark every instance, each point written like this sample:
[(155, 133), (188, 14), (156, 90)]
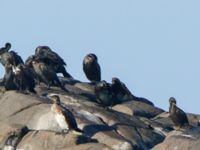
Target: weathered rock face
[(26, 122), (181, 140)]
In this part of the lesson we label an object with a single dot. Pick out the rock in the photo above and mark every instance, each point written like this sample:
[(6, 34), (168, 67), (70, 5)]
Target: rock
[(112, 139), (178, 140), (137, 108), (40, 140), (85, 86), (26, 122), (89, 146), (11, 135)]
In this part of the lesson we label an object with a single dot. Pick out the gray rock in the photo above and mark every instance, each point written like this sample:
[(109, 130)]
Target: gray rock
[(138, 108), (181, 140)]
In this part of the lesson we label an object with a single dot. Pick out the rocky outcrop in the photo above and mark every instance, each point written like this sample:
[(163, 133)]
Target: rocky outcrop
[(181, 140), (26, 122)]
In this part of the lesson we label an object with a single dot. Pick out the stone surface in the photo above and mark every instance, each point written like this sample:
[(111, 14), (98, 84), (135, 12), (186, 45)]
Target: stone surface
[(26, 122), (178, 140), (138, 108)]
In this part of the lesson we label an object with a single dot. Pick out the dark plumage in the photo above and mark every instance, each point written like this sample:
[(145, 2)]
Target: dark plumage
[(121, 91), (104, 94), (6, 48), (8, 78), (177, 115), (91, 68), (46, 74), (46, 55), (29, 64), (13, 58), (23, 78)]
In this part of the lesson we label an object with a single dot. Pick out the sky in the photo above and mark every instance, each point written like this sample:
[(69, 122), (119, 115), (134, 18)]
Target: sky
[(151, 46)]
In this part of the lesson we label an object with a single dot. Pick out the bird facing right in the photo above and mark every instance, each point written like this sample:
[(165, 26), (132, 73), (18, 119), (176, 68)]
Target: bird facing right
[(176, 114)]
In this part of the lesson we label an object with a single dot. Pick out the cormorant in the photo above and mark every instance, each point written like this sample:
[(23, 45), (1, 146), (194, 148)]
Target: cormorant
[(63, 117), (104, 94), (23, 78), (121, 91), (46, 55), (46, 74), (12, 56), (178, 116), (91, 68)]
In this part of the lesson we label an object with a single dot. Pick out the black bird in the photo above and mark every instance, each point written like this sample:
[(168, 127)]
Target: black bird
[(121, 91), (91, 68), (46, 74), (104, 94), (23, 78), (12, 56), (29, 64), (46, 55), (177, 115), (6, 48), (8, 78)]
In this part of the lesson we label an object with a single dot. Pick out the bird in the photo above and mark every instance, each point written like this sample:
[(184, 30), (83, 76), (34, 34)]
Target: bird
[(63, 117), (92, 68), (177, 115), (104, 94), (23, 78), (122, 93), (28, 63), (120, 90), (46, 74), (12, 56), (51, 58), (8, 79), (6, 48)]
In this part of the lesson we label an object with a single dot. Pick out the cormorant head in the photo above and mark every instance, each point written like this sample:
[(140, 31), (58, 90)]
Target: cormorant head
[(40, 49), (90, 58), (172, 100), (55, 98), (8, 46)]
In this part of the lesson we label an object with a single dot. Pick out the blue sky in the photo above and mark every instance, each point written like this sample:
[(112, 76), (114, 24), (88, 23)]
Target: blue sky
[(152, 46)]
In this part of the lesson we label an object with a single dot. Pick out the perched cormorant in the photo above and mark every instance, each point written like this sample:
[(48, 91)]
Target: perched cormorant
[(121, 91), (29, 64), (23, 78), (6, 48), (12, 56), (8, 78), (64, 117), (46, 55), (178, 116), (104, 94), (46, 74), (91, 68)]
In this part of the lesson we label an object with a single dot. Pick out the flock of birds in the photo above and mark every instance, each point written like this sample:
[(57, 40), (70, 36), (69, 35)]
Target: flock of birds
[(43, 67)]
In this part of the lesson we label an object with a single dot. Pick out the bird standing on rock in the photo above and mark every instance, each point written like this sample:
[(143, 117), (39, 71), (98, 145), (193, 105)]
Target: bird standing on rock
[(104, 94), (121, 91), (65, 120), (178, 116), (52, 59), (46, 74), (23, 78), (91, 68), (12, 56)]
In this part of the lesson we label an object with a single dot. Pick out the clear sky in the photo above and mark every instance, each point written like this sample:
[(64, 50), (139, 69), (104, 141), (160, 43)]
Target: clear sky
[(153, 46)]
